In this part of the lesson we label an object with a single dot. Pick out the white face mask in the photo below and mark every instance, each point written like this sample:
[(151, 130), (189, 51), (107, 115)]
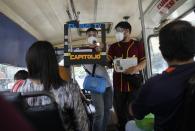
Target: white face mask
[(92, 40), (119, 36)]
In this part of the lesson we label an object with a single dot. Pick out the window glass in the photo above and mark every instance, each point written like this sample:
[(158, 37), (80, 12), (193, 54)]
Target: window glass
[(190, 18), (158, 64), (7, 73)]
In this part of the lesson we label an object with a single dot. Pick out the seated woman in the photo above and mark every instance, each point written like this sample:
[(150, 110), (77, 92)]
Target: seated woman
[(44, 75)]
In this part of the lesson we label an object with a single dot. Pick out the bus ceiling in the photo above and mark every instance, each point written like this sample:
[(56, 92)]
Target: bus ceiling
[(44, 19)]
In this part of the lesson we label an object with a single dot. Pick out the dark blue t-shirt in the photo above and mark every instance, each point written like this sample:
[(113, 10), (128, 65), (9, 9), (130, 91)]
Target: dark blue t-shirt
[(163, 95)]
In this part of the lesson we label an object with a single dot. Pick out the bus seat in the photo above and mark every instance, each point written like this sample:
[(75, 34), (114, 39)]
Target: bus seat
[(44, 117), (15, 98)]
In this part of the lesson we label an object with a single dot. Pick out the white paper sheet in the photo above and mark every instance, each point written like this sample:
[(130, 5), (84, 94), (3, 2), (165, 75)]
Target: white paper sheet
[(120, 65)]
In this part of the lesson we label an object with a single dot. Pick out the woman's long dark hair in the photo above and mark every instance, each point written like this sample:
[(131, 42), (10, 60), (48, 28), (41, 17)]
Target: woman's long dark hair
[(42, 64)]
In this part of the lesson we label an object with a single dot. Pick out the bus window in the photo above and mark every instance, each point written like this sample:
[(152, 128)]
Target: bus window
[(7, 73), (158, 64), (190, 18)]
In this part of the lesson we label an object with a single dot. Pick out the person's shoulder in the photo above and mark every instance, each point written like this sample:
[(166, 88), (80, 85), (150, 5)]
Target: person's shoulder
[(153, 82), (137, 42), (72, 86), (114, 45), (25, 85), (27, 82), (155, 78), (68, 87)]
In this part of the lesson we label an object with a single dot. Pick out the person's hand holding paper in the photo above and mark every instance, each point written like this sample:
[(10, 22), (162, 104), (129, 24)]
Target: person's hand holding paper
[(131, 70), (126, 65)]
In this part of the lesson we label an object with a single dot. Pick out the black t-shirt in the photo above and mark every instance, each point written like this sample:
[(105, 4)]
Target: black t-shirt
[(162, 95)]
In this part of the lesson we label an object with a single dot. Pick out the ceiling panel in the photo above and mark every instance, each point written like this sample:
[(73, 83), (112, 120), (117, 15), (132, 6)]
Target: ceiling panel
[(48, 16)]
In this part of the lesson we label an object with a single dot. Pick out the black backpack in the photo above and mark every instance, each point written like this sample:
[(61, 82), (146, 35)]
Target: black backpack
[(183, 116), (188, 116)]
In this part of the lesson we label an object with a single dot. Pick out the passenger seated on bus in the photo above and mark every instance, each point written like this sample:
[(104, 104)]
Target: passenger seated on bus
[(65, 75), (19, 79), (163, 94), (44, 75)]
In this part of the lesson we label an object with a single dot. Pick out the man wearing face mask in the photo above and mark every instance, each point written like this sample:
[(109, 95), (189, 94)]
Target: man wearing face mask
[(102, 102), (124, 89)]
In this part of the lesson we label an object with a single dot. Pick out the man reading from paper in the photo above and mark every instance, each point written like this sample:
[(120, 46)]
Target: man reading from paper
[(125, 79)]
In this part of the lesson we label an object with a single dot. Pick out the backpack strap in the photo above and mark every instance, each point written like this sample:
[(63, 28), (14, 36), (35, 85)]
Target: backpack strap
[(86, 70), (94, 67), (93, 71)]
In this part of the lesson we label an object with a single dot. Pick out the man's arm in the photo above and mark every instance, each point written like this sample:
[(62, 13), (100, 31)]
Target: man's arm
[(109, 62), (137, 68), (110, 57), (141, 60), (142, 104)]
